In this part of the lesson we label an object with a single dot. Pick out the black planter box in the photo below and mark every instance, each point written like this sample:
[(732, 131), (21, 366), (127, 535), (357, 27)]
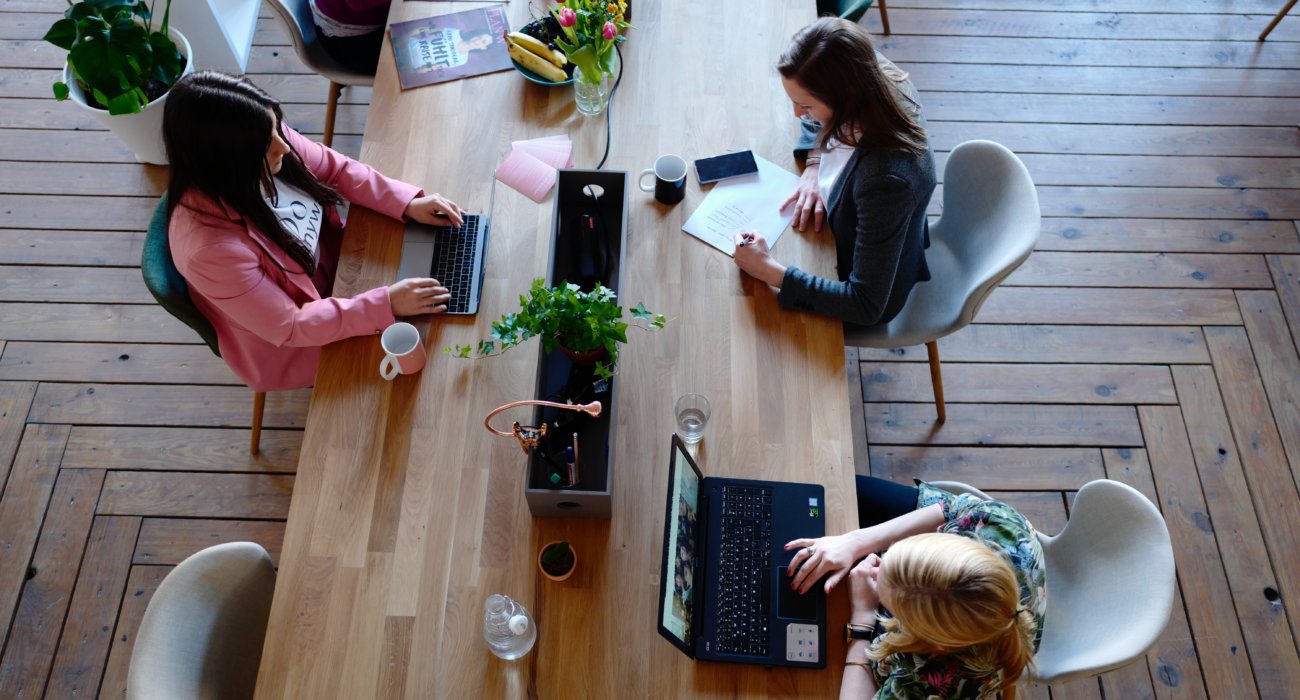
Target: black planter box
[(578, 257)]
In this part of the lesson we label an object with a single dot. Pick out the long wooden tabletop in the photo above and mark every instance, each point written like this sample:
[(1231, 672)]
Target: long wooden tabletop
[(407, 514)]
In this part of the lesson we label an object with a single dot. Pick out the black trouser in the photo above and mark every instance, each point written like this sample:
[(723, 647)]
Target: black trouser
[(880, 500), (356, 53)]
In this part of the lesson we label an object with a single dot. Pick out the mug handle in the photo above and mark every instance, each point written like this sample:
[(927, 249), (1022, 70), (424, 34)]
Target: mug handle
[(388, 368), (640, 180)]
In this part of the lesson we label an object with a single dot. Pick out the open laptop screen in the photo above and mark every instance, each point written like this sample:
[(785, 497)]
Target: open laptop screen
[(679, 563)]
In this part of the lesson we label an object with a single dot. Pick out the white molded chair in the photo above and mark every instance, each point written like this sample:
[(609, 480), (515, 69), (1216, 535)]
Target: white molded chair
[(201, 636), (989, 226), (302, 28), (1110, 582)]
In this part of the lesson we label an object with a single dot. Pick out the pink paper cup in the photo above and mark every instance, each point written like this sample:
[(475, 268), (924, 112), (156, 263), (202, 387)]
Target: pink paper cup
[(403, 351)]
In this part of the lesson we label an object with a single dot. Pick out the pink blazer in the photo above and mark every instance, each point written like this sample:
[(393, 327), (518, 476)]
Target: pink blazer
[(270, 319)]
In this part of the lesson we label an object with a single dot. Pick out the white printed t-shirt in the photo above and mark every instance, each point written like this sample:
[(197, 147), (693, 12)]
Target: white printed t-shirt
[(299, 214)]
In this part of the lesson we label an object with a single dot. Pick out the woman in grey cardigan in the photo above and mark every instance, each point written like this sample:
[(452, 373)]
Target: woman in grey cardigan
[(868, 163)]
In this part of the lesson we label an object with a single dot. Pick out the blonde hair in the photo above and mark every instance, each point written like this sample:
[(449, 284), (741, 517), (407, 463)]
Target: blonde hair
[(953, 595)]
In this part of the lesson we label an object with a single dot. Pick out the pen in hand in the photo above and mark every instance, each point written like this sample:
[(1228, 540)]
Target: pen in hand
[(746, 239)]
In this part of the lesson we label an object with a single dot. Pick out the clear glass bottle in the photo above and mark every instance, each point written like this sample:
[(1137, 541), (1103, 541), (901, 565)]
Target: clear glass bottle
[(508, 627)]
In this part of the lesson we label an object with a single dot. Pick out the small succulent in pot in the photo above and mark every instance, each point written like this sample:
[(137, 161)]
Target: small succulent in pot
[(557, 560)]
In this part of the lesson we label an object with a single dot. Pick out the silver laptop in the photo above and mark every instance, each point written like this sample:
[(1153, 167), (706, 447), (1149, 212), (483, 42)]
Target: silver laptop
[(456, 256)]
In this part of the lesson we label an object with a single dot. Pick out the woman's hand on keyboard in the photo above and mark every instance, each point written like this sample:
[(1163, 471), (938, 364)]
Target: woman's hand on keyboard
[(418, 295), (436, 210), (834, 555)]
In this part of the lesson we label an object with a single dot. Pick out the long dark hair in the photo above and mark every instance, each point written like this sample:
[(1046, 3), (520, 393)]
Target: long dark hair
[(217, 129), (834, 60)]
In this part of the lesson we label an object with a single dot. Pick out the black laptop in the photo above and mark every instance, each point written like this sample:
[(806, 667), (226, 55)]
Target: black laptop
[(726, 596)]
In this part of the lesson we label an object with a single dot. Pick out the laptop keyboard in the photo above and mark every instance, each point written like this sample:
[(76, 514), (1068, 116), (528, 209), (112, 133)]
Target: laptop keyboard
[(453, 261), (745, 591)]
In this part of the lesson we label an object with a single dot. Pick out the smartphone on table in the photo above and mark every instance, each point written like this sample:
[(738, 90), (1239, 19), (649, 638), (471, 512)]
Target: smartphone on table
[(725, 166)]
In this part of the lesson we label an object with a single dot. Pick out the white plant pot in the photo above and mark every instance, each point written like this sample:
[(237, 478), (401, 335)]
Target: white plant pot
[(142, 132)]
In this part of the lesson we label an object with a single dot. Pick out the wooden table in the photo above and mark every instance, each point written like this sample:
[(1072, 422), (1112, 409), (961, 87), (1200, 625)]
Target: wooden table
[(407, 514)]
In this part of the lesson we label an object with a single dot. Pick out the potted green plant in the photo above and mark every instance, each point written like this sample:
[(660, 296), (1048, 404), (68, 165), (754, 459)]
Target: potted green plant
[(557, 560), (587, 326), (120, 68)]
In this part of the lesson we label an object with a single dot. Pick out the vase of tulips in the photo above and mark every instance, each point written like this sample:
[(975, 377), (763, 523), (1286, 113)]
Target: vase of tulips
[(590, 30)]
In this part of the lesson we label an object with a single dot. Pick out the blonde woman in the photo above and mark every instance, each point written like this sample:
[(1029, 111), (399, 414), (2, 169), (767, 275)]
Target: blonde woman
[(956, 613)]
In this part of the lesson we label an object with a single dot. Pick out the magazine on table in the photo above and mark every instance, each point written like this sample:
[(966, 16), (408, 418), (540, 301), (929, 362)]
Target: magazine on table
[(448, 47)]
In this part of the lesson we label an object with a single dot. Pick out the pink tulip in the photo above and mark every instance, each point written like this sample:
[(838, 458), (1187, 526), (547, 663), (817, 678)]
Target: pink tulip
[(567, 17), (610, 31)]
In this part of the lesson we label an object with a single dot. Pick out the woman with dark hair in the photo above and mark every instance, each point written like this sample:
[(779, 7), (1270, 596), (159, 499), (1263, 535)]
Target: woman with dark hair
[(869, 171), (255, 232), (947, 593)]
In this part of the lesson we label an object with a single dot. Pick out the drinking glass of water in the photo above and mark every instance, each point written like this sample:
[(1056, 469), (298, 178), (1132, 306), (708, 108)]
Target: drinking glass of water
[(692, 413)]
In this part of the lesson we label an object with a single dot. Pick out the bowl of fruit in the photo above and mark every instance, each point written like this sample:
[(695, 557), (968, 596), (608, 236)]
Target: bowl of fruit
[(535, 55)]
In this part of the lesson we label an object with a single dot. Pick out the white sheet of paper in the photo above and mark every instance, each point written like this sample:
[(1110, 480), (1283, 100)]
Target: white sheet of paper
[(749, 203)]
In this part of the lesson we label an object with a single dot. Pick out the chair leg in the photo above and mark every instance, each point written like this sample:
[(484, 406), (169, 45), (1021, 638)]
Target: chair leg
[(259, 403), (884, 15), (936, 379), (1263, 35), (330, 108)]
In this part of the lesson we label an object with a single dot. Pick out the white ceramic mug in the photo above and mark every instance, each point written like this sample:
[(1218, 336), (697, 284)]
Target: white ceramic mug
[(403, 351), (669, 181)]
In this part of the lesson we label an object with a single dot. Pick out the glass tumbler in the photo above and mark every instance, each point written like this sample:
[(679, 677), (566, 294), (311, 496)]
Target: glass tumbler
[(693, 413)]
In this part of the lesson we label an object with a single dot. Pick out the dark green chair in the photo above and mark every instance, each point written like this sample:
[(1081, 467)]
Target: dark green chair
[(167, 285), (852, 10)]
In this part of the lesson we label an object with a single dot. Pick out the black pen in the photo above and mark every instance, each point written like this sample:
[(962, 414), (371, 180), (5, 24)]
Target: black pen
[(747, 239)]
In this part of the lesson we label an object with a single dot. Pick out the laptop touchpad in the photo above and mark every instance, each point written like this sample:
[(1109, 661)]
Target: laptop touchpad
[(791, 605), (417, 254)]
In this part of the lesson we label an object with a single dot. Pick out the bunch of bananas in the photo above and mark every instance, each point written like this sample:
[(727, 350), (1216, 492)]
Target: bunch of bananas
[(537, 57)]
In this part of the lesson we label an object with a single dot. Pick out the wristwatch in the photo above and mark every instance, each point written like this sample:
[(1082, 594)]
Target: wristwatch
[(852, 632)]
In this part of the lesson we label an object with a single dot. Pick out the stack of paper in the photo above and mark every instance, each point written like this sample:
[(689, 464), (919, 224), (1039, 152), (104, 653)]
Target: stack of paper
[(533, 165), (749, 203)]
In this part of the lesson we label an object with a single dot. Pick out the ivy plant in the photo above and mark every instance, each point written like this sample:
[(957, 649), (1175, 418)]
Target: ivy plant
[(115, 54), (565, 316)]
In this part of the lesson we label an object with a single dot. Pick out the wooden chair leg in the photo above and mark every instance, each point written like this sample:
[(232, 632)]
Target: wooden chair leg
[(259, 403), (936, 379), (330, 108), (1263, 35), (884, 15)]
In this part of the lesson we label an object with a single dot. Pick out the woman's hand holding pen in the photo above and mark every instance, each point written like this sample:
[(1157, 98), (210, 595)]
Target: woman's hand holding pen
[(436, 210), (751, 256)]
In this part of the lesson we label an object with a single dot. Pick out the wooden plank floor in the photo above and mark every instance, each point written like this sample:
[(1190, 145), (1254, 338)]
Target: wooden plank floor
[(1152, 338)]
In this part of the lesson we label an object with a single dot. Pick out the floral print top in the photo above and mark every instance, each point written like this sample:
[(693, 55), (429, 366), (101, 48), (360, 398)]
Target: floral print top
[(1001, 528)]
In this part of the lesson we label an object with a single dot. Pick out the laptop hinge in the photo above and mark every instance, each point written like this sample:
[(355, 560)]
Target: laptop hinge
[(701, 565)]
